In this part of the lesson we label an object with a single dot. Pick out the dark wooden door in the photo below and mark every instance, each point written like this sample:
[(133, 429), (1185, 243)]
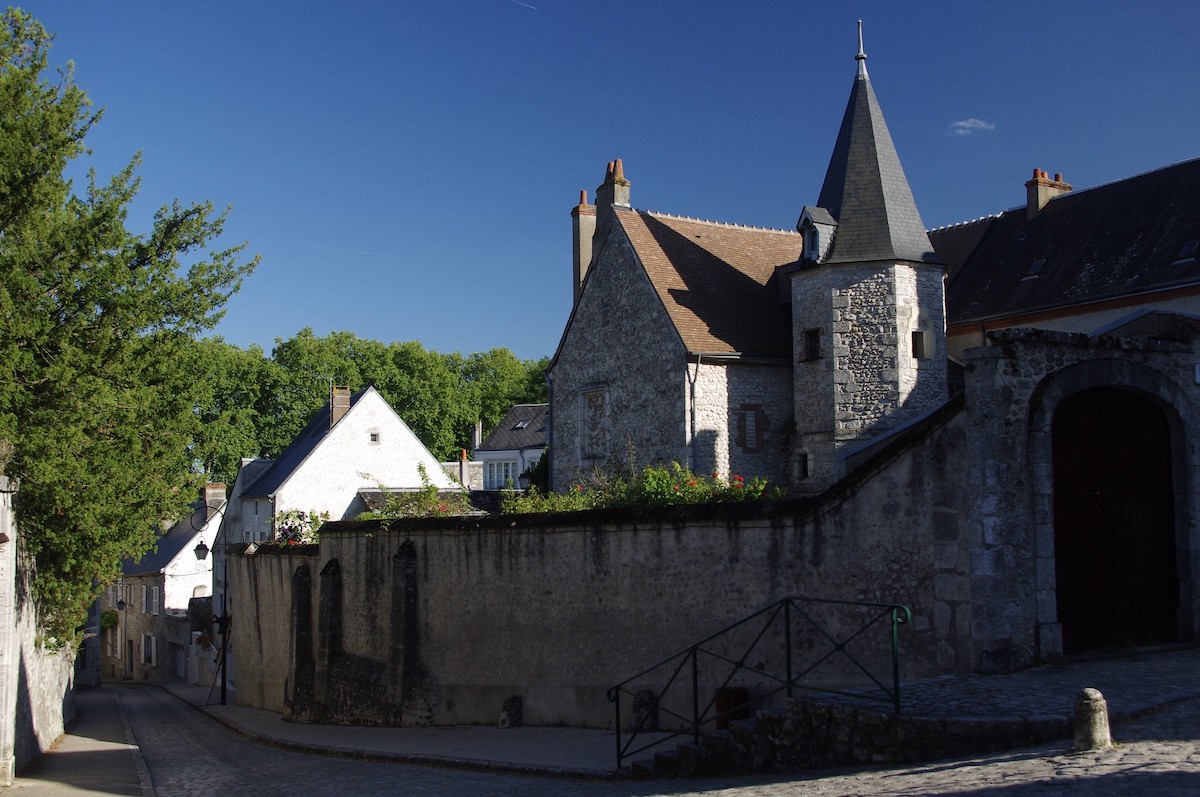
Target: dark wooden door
[(1114, 521)]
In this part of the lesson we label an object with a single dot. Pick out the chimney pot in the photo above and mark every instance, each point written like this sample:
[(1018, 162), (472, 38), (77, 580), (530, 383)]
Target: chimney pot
[(1058, 177), (583, 197), (1036, 173)]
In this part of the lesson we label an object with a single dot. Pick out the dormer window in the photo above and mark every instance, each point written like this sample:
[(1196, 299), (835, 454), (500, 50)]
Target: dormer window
[(817, 227), (1187, 253)]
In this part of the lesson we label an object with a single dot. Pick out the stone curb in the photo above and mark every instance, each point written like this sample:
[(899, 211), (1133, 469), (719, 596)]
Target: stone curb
[(418, 759)]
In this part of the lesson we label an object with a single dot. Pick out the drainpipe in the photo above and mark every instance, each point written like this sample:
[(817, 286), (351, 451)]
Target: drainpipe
[(692, 411)]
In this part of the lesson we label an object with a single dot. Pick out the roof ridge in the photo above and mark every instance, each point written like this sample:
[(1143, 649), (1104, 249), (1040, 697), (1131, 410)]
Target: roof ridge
[(968, 221), (713, 222)]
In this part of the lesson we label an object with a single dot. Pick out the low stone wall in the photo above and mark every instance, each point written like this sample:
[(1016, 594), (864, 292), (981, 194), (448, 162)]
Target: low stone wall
[(442, 620)]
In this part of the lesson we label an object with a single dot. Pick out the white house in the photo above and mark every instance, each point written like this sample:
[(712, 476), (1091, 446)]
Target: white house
[(513, 447), (148, 635), (355, 444)]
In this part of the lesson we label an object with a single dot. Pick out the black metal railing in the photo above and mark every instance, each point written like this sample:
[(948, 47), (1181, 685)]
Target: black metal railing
[(762, 652)]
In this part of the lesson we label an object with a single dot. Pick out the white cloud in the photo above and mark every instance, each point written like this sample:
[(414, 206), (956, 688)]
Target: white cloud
[(969, 127)]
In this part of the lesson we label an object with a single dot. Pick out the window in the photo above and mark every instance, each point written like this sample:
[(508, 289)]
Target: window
[(596, 423), (500, 475), (521, 424), (802, 466), (149, 650), (748, 434), (1187, 253), (375, 436), (810, 345), (1035, 268), (150, 599), (918, 345)]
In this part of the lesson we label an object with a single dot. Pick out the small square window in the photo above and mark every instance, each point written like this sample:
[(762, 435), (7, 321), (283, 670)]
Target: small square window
[(374, 436)]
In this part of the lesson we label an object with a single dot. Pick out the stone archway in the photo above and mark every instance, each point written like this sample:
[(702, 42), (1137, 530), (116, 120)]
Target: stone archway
[(1114, 520)]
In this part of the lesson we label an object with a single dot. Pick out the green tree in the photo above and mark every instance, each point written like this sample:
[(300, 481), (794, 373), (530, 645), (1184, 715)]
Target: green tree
[(97, 328), (233, 406)]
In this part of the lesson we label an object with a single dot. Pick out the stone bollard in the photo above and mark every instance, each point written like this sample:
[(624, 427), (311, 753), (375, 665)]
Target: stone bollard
[(1091, 721)]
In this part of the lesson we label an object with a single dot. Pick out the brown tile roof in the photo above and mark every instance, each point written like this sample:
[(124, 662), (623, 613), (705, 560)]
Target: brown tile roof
[(718, 282)]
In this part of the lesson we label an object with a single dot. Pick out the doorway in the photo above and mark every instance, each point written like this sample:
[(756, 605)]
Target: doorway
[(1114, 521)]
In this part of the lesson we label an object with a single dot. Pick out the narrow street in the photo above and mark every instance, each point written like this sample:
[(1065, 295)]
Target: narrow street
[(188, 753)]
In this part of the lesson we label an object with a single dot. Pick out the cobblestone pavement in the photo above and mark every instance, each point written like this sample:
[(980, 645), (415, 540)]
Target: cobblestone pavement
[(188, 753)]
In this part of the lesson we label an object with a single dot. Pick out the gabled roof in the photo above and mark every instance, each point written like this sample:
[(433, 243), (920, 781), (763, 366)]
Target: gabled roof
[(297, 451), (866, 191), (717, 282), (1116, 240), (523, 426), (172, 543)]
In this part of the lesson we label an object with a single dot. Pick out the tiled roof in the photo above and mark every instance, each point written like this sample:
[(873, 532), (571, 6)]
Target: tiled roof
[(718, 282), (954, 244), (523, 426), (1119, 239), (296, 452), (866, 191)]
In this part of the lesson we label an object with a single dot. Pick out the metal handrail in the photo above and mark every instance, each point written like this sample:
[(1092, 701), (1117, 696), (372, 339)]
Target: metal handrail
[(789, 681)]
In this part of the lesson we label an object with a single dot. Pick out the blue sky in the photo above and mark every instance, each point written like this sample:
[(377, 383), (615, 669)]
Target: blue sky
[(406, 169)]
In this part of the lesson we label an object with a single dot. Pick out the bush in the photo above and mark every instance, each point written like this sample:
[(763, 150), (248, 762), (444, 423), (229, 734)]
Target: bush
[(652, 486)]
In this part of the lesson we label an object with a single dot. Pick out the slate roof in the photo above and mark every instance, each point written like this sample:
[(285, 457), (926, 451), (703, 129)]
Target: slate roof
[(170, 544), (718, 282), (296, 452), (523, 426), (866, 191), (1116, 240)]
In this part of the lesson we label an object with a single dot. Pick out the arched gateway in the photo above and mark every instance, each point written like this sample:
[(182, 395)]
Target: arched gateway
[(1114, 520)]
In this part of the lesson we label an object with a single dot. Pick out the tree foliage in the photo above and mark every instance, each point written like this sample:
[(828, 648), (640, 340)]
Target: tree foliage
[(255, 405), (97, 328)]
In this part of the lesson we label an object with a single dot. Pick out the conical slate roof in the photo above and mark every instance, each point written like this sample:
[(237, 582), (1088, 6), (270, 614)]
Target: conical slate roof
[(865, 188)]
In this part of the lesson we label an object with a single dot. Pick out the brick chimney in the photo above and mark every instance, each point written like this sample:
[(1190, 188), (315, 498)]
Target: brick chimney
[(339, 404), (214, 495), (583, 227), (1040, 190)]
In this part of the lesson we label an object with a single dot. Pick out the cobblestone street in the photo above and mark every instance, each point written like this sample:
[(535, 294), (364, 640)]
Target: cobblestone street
[(188, 753)]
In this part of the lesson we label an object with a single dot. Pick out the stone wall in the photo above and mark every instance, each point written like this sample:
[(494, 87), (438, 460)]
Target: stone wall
[(867, 377), (743, 419), (618, 381), (1015, 386), (441, 620), (37, 696)]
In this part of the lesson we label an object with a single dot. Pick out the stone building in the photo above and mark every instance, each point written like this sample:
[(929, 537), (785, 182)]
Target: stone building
[(995, 424), (798, 355)]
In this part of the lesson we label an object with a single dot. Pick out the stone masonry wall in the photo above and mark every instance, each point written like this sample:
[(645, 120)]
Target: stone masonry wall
[(456, 615), (1013, 388), (37, 697), (743, 420), (618, 383), (868, 378)]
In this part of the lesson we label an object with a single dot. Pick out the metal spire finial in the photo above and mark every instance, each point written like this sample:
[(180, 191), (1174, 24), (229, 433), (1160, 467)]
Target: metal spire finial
[(862, 56)]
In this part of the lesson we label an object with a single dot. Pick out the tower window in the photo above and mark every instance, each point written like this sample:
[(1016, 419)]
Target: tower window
[(810, 345), (918, 345)]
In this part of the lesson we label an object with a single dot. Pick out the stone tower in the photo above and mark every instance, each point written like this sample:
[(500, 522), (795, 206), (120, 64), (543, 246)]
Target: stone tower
[(868, 309)]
